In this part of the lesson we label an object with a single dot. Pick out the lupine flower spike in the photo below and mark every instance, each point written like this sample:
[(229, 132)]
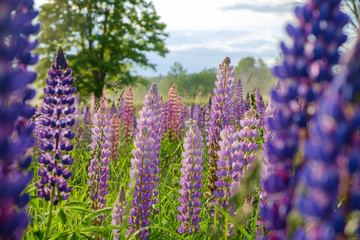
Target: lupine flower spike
[(239, 103), (192, 167), (15, 112), (101, 150), (173, 120), (221, 112), (304, 74), (58, 122)]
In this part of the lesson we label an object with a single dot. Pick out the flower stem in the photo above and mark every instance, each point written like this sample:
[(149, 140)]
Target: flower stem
[(50, 214)]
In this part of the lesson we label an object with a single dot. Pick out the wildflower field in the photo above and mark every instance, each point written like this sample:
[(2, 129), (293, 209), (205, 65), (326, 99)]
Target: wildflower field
[(236, 167)]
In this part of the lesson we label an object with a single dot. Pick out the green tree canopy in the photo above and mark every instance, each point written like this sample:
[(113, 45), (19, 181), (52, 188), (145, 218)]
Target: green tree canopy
[(103, 39)]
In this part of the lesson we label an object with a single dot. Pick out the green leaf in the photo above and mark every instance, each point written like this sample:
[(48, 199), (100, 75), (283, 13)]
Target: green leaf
[(62, 216), (105, 211)]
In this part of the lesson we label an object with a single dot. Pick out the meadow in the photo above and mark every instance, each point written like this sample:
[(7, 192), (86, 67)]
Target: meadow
[(236, 166)]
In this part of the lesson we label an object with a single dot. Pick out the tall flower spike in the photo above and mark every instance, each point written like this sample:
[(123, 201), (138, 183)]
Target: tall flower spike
[(144, 172), (15, 112), (332, 166), (128, 116), (221, 112), (239, 103), (305, 72), (173, 120), (99, 170), (230, 165), (58, 122), (192, 167), (260, 107)]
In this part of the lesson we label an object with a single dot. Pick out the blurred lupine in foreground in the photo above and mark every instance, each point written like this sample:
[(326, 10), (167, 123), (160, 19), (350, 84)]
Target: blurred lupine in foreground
[(101, 150), (192, 167), (58, 122), (239, 103), (115, 127), (220, 115), (119, 211), (173, 118), (229, 170), (15, 133), (332, 168), (144, 171), (128, 115), (305, 73)]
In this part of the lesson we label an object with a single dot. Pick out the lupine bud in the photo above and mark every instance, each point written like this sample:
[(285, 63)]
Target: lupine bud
[(99, 170), (15, 112), (192, 166), (55, 146), (173, 120), (239, 103), (119, 212), (128, 116), (221, 112), (115, 125)]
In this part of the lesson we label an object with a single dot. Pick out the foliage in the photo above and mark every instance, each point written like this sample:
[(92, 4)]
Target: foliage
[(104, 39)]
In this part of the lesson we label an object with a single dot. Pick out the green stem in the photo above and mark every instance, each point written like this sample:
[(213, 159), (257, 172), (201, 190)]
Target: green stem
[(51, 214)]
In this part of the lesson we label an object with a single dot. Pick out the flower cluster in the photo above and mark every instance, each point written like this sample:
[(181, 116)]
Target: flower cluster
[(220, 116), (58, 122), (230, 165), (199, 117), (144, 172), (304, 74), (173, 118), (192, 166), (15, 132), (239, 103), (260, 108), (98, 171), (128, 115)]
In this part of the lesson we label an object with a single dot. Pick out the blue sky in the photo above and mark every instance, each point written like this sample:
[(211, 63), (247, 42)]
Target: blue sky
[(203, 32)]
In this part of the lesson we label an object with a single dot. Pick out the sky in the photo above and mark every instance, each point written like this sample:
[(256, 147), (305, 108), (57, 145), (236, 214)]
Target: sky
[(203, 32)]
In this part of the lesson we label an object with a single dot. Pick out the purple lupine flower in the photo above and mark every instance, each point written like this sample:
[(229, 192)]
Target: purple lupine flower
[(192, 166), (207, 115), (239, 103), (183, 117), (332, 153), (304, 74), (101, 150), (199, 117), (115, 125), (229, 170), (58, 122), (142, 173), (220, 116), (92, 104), (119, 212), (15, 112), (173, 120), (248, 134), (128, 115), (192, 111)]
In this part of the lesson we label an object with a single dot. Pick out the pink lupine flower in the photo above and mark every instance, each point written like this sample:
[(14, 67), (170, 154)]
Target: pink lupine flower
[(128, 116), (174, 124)]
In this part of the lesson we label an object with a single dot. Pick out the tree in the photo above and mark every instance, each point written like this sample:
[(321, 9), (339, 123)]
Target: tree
[(104, 39)]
